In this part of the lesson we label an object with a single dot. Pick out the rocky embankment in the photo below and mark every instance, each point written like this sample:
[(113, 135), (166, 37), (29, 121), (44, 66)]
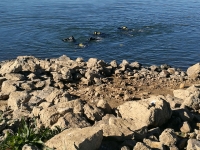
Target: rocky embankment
[(105, 106)]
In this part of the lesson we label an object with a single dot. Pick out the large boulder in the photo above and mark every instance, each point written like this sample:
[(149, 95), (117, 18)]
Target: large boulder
[(50, 115), (72, 120), (58, 95), (190, 96), (93, 113), (14, 76), (121, 129), (18, 99), (10, 67), (193, 144), (154, 111), (88, 138), (168, 137), (193, 72), (9, 86)]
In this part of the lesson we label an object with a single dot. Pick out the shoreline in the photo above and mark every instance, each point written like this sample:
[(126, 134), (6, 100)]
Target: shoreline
[(114, 101)]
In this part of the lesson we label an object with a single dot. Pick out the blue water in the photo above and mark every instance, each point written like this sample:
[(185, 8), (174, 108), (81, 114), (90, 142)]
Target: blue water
[(161, 31)]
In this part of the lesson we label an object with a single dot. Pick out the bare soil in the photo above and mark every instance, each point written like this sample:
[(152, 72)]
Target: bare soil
[(118, 89)]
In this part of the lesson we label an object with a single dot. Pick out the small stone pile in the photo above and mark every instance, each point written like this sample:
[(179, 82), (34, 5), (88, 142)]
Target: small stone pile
[(103, 106)]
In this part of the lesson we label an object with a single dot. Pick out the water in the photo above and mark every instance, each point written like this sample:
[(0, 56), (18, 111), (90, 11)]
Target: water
[(163, 31)]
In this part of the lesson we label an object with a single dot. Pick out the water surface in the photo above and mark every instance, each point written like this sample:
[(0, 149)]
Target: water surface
[(162, 31)]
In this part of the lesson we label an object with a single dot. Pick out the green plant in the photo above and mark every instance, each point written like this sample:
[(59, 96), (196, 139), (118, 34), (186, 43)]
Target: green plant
[(28, 133)]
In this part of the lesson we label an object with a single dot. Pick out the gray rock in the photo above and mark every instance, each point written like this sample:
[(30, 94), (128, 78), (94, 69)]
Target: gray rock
[(122, 129), (14, 76), (185, 128), (57, 96), (193, 144), (114, 64), (154, 111), (92, 112), (104, 105), (168, 137), (92, 62), (71, 120), (50, 115), (135, 65), (8, 86), (10, 67), (18, 99), (141, 146), (88, 138), (193, 72), (154, 144)]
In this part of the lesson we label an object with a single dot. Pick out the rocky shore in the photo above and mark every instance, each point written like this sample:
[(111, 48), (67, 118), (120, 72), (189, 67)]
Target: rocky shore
[(104, 106)]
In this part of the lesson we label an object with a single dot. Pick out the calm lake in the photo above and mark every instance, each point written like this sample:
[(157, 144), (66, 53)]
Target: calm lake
[(160, 31)]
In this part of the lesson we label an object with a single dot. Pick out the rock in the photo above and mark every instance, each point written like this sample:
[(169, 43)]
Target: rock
[(45, 104), (114, 64), (92, 112), (50, 115), (91, 74), (182, 85), (71, 120), (124, 64), (105, 106), (36, 111), (193, 72), (18, 99), (66, 74), (164, 66), (122, 129), (11, 67), (184, 114), (92, 62), (173, 148), (88, 138), (27, 86), (8, 86), (171, 70), (43, 93), (57, 96), (154, 111), (125, 148), (168, 137), (141, 146), (135, 65), (185, 127), (14, 76), (181, 93), (174, 101), (193, 144), (154, 144), (154, 68), (191, 96), (164, 74)]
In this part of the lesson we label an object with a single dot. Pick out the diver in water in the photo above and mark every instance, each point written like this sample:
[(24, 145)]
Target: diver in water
[(69, 39), (123, 28), (94, 39)]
